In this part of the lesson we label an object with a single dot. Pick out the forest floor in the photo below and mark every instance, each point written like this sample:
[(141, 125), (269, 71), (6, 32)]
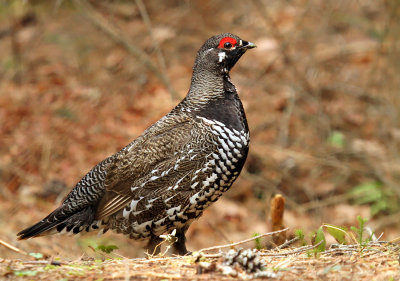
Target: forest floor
[(371, 262)]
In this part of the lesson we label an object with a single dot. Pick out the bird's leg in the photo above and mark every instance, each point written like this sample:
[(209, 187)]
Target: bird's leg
[(179, 247), (154, 247)]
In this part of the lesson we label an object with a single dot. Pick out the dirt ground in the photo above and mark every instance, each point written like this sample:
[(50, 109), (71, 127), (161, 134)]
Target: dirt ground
[(80, 79)]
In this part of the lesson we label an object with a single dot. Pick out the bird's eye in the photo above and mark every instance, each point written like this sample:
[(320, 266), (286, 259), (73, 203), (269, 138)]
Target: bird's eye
[(228, 45)]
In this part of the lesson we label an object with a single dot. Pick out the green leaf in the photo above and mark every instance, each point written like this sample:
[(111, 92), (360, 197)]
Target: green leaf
[(320, 237), (107, 248), (369, 192), (66, 113), (257, 241), (25, 273), (336, 139), (380, 198), (337, 232), (36, 255)]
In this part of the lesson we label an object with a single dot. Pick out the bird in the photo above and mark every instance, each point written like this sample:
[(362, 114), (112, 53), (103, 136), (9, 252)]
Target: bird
[(163, 180)]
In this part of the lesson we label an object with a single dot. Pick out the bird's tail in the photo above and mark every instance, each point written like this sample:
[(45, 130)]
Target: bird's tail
[(61, 221)]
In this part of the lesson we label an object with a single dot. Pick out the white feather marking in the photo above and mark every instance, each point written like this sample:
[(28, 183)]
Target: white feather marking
[(133, 188), (244, 139), (219, 123), (142, 227), (159, 222), (224, 146), (152, 200), (210, 180), (222, 165), (126, 213), (172, 211), (207, 120), (231, 144), (218, 128), (221, 56), (222, 153), (194, 185), (134, 203), (153, 178)]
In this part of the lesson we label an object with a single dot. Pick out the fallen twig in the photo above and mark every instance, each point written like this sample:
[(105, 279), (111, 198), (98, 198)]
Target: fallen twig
[(243, 241), (11, 247), (296, 251), (50, 262), (110, 31), (288, 243)]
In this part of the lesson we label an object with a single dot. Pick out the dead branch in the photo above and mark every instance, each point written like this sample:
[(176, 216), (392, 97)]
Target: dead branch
[(147, 22), (89, 12)]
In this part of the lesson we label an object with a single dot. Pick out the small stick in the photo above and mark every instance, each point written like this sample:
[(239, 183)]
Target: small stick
[(11, 247), (287, 243), (243, 241), (296, 251), (51, 262)]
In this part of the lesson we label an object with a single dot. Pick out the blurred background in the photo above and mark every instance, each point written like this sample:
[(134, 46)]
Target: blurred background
[(80, 79)]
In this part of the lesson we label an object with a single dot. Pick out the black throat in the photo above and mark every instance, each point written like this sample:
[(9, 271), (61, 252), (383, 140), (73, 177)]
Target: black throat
[(227, 108)]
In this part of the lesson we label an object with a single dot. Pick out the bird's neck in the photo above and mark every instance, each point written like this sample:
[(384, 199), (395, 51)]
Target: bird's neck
[(206, 84), (214, 97)]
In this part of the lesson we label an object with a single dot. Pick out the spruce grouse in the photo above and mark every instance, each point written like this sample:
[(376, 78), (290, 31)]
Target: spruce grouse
[(179, 166)]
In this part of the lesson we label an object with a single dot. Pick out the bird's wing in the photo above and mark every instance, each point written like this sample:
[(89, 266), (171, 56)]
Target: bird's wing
[(149, 165)]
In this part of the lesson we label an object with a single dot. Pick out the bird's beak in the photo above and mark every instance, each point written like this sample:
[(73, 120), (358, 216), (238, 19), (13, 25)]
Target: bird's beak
[(249, 45)]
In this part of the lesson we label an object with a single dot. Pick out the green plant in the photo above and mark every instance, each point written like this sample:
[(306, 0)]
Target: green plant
[(318, 238), (25, 273), (257, 241), (37, 256), (106, 248), (299, 233), (337, 232), (360, 232), (380, 198), (336, 139)]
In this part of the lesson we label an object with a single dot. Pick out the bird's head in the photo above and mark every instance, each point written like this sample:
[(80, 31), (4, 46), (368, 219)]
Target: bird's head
[(221, 52)]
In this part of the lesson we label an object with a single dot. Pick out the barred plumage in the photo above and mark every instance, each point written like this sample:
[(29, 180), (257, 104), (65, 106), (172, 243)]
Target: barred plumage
[(165, 178)]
